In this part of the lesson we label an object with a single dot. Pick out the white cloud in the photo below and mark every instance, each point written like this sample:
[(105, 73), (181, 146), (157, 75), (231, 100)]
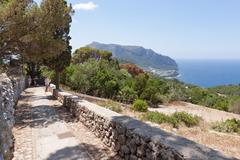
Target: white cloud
[(85, 6)]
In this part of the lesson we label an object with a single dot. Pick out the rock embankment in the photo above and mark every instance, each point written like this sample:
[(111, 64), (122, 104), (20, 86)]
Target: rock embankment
[(10, 89)]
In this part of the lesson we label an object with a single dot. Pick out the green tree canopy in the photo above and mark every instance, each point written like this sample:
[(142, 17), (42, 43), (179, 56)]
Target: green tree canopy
[(30, 30), (62, 15), (85, 53), (14, 23)]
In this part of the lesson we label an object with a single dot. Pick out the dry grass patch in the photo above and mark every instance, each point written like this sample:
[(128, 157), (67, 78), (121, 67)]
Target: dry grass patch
[(111, 105)]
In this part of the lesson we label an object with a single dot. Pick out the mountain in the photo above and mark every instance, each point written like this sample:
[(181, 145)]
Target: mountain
[(145, 58)]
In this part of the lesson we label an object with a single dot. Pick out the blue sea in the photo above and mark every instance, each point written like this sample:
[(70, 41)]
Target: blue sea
[(209, 73)]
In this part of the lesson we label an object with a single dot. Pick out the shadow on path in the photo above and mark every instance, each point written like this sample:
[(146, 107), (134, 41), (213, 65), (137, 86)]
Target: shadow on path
[(77, 153), (41, 112), (27, 115)]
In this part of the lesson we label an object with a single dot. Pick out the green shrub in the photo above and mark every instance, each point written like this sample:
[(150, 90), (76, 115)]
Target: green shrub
[(228, 126), (197, 95), (67, 73), (221, 104), (140, 82), (186, 118), (233, 90), (140, 105), (111, 88), (151, 88), (158, 98), (178, 91), (175, 119), (156, 117), (127, 94), (46, 72), (235, 106)]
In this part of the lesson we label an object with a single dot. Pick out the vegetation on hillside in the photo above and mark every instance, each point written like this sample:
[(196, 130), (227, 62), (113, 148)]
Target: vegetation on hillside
[(233, 90), (132, 68), (228, 126), (102, 76), (83, 54), (175, 119), (44, 49), (140, 106)]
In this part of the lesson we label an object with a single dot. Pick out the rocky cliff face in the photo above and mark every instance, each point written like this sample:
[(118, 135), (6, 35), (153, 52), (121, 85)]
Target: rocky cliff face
[(10, 89), (145, 58)]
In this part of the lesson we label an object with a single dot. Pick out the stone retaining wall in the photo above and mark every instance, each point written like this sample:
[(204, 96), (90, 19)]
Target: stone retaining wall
[(133, 139), (10, 90)]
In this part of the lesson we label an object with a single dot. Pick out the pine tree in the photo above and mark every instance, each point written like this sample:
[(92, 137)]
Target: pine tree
[(63, 13)]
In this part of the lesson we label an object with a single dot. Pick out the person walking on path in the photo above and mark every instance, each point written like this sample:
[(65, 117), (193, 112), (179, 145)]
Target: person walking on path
[(47, 84)]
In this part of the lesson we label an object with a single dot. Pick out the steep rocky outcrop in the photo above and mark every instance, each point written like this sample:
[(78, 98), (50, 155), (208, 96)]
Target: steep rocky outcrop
[(10, 89)]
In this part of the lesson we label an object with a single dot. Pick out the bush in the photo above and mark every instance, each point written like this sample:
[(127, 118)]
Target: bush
[(221, 104), (175, 119), (178, 91), (186, 118), (156, 117), (47, 73), (152, 87), (228, 126), (140, 105), (232, 90), (235, 107), (197, 95), (158, 98), (79, 81), (111, 88), (127, 94)]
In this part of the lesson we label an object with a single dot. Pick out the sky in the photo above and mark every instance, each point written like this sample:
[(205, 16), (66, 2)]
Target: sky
[(181, 29)]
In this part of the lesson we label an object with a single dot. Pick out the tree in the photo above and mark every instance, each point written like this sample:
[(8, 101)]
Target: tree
[(127, 94), (14, 25), (85, 53), (60, 12), (141, 82), (35, 32), (58, 64), (27, 29)]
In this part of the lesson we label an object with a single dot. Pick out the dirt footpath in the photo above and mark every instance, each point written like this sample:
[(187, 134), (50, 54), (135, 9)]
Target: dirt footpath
[(209, 115)]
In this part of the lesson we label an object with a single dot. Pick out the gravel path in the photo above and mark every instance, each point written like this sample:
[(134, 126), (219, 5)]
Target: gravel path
[(45, 131), (208, 114)]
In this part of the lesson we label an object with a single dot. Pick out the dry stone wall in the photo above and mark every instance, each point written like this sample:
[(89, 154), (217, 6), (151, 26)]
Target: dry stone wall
[(133, 139), (10, 90)]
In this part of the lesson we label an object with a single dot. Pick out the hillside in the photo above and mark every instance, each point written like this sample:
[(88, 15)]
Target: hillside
[(233, 90), (145, 58)]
